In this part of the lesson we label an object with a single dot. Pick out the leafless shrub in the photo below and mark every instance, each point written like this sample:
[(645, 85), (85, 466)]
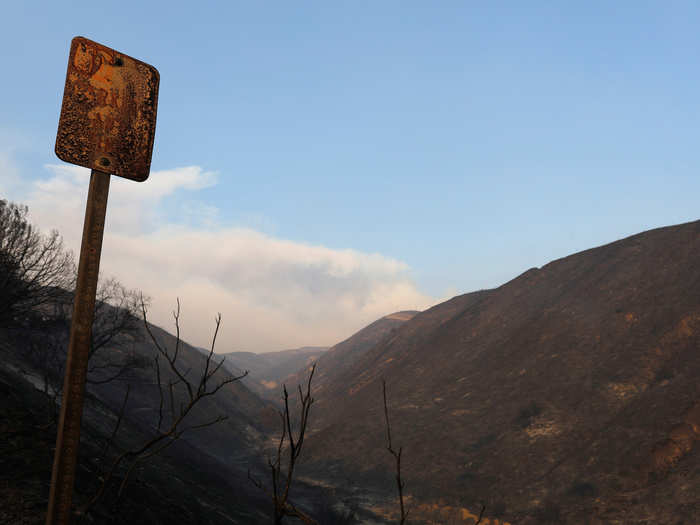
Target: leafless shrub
[(117, 316), (172, 410), (116, 325), (33, 266), (281, 480)]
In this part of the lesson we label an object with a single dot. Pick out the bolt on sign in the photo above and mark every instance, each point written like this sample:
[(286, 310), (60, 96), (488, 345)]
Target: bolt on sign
[(107, 124)]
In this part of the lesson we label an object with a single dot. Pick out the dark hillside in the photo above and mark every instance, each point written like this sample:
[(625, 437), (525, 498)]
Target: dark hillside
[(201, 478), (183, 485), (569, 394), (335, 363)]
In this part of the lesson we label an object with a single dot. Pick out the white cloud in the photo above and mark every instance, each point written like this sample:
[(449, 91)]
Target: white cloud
[(272, 293), (132, 209)]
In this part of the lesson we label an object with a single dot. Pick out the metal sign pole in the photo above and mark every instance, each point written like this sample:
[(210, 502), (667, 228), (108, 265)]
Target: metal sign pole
[(107, 124), (68, 439)]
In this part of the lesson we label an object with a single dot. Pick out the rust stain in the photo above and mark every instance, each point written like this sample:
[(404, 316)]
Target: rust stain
[(108, 116)]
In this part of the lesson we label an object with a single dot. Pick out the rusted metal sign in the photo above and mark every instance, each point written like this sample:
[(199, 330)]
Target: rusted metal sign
[(107, 124), (108, 117)]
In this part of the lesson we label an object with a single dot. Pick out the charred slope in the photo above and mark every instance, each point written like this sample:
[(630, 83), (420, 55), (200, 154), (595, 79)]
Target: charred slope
[(334, 364), (182, 485), (568, 394), (233, 441), (201, 478)]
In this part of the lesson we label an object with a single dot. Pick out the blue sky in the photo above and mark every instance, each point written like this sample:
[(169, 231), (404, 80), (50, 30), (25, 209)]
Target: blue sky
[(405, 151)]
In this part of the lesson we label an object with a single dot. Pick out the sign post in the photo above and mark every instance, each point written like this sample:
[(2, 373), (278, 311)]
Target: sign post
[(107, 124)]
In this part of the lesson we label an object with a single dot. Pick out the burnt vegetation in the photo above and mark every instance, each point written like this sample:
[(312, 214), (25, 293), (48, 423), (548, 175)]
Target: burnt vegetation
[(574, 406), (37, 276), (289, 448), (35, 269), (130, 363), (173, 410)]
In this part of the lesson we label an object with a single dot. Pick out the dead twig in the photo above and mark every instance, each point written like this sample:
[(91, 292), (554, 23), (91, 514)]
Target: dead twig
[(397, 457)]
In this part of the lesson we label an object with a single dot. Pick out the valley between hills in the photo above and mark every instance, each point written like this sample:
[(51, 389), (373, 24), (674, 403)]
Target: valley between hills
[(569, 394)]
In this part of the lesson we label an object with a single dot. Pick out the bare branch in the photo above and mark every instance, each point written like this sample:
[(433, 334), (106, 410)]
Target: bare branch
[(166, 435), (397, 457), (164, 352), (176, 315), (160, 393), (205, 375), (280, 495)]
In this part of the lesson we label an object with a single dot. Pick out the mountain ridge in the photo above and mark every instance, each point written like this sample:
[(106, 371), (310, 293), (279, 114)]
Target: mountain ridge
[(336, 361), (266, 371), (523, 379)]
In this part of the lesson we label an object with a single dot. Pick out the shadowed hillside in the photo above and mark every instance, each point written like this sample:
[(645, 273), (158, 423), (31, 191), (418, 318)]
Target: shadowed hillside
[(184, 484), (201, 478), (568, 395)]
